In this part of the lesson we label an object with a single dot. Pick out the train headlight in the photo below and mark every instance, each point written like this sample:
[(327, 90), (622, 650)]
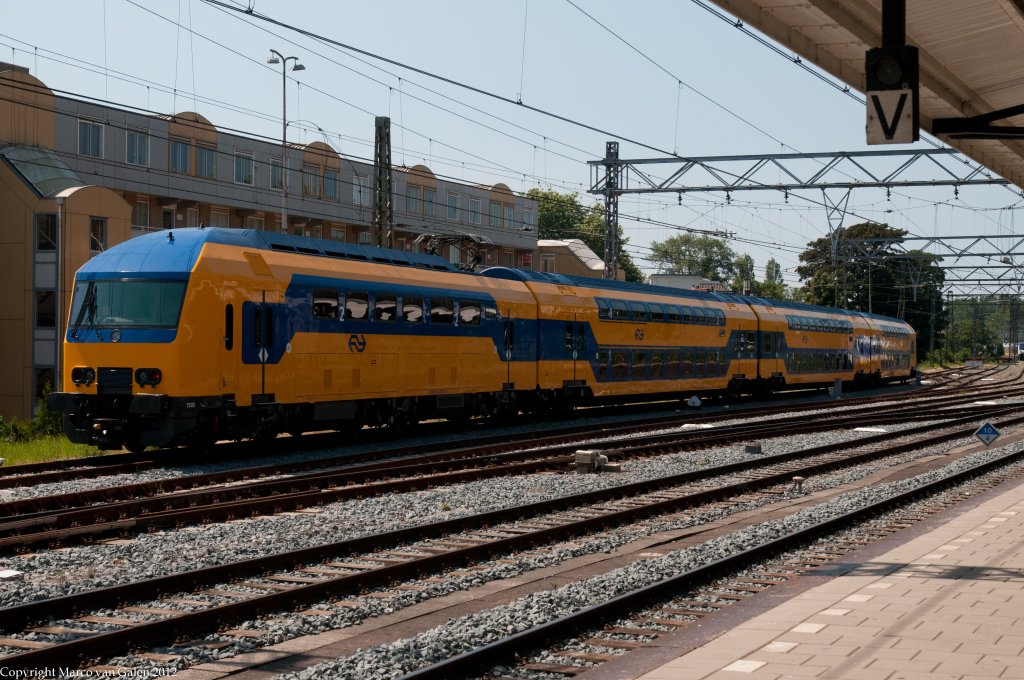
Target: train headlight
[(148, 376), (83, 375)]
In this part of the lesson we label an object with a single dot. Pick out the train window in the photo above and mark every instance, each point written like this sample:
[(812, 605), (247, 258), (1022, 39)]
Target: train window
[(469, 313), (768, 345), (639, 365), (741, 342), (604, 311), (385, 308), (490, 312), (657, 312), (412, 309), (619, 366), (721, 317), (568, 337), (357, 306), (441, 311), (712, 364), (325, 304), (637, 311), (619, 310), (687, 314), (687, 365), (229, 327), (698, 364), (656, 365), (675, 315), (602, 364), (672, 364)]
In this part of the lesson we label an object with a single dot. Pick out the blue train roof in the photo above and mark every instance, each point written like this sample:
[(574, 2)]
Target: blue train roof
[(173, 253)]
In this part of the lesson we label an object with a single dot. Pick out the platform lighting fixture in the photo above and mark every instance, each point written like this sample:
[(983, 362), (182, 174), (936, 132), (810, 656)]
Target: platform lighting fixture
[(278, 58)]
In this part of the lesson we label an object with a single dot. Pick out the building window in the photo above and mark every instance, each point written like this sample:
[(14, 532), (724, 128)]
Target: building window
[(90, 139), (206, 162), (244, 170), (361, 189), (339, 234), (528, 217), (192, 217), (474, 210), (429, 202), (46, 231), (137, 152), (509, 259), (526, 261), (509, 223), (140, 215), (46, 309), (97, 235), (453, 206), (276, 173), (495, 214), (365, 238), (311, 180), (254, 222), (179, 156), (167, 218), (412, 199), (218, 218), (331, 185), (547, 262)]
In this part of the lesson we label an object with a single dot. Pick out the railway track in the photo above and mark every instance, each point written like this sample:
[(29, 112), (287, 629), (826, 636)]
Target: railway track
[(355, 566), (678, 601), (57, 520), (127, 463)]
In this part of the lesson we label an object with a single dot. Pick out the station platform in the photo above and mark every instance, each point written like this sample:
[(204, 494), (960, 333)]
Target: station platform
[(942, 602)]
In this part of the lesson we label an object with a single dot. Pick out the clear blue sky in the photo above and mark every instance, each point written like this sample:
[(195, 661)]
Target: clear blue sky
[(178, 55)]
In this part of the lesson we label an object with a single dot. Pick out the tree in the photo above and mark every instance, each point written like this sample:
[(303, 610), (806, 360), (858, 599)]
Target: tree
[(703, 256), (882, 280), (744, 278), (562, 216), (773, 286)]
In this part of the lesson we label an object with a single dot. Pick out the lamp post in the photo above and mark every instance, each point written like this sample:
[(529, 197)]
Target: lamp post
[(278, 58)]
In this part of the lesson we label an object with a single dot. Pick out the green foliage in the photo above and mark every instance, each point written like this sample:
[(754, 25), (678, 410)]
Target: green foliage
[(45, 423), (875, 277), (693, 255), (562, 216)]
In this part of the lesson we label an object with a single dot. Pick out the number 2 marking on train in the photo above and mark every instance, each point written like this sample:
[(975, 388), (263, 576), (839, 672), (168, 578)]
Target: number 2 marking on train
[(356, 343)]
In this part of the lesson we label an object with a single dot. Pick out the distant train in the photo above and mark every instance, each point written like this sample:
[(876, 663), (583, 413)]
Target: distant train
[(194, 335)]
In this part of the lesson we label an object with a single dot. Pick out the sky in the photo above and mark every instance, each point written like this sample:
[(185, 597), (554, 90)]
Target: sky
[(673, 78)]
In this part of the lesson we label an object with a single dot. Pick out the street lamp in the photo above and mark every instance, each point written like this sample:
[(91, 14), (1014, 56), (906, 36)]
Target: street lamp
[(278, 58)]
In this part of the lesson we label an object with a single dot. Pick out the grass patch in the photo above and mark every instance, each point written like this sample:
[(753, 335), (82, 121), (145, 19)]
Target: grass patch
[(43, 449)]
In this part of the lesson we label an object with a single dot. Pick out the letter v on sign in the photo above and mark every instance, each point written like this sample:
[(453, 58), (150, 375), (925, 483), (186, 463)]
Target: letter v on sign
[(890, 117)]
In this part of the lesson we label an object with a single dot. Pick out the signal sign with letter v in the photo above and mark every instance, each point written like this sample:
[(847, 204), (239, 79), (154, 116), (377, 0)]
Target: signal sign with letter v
[(891, 117)]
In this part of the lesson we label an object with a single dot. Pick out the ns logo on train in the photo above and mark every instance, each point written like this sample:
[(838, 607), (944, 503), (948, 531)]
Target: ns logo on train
[(356, 343)]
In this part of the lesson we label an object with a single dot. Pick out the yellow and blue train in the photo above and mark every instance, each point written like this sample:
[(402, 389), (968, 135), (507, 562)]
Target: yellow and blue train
[(194, 335)]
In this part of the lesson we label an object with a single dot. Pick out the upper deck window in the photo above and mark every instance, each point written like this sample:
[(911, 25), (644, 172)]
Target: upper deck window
[(127, 304)]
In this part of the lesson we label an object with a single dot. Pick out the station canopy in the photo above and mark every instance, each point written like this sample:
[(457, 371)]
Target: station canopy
[(971, 57)]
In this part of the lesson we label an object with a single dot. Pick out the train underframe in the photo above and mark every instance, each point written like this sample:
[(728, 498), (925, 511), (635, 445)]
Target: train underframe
[(138, 421)]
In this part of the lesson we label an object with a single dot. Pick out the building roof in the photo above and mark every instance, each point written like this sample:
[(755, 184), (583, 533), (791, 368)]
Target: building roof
[(41, 169), (580, 249)]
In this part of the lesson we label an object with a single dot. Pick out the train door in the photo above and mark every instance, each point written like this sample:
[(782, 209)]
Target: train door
[(508, 345), (261, 345), (228, 357), (576, 344)]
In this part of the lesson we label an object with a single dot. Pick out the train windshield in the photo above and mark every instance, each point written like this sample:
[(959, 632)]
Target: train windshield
[(127, 304)]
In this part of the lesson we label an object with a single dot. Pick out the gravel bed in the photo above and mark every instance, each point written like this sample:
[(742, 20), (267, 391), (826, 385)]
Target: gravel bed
[(56, 573), (78, 568), (460, 635)]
